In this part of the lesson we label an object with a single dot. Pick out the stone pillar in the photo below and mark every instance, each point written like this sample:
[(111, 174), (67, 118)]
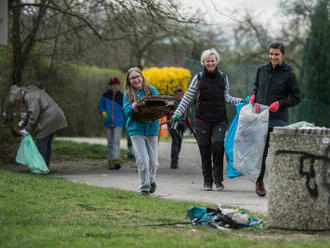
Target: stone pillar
[(299, 179)]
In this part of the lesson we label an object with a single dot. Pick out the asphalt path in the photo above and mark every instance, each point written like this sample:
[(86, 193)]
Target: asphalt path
[(184, 183)]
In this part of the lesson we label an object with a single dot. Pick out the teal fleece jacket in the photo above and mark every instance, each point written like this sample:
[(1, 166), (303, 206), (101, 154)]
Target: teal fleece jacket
[(135, 127)]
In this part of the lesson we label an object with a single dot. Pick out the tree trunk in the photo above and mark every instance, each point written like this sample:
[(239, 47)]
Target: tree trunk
[(18, 62)]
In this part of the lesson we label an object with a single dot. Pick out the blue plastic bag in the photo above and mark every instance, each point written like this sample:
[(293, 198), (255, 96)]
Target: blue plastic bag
[(29, 155), (200, 215), (229, 143)]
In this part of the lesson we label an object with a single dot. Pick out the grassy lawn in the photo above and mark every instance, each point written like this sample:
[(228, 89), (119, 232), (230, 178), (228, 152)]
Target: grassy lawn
[(69, 149), (44, 211)]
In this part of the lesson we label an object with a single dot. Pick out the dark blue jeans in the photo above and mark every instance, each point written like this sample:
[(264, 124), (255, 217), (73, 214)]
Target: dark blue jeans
[(272, 123), (45, 148)]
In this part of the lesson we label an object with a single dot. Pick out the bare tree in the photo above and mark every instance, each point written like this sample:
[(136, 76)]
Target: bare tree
[(253, 37), (54, 22)]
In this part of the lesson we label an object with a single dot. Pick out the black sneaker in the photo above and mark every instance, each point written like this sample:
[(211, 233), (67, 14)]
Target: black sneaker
[(207, 187), (174, 164), (143, 193), (130, 155), (152, 188), (116, 164), (220, 186)]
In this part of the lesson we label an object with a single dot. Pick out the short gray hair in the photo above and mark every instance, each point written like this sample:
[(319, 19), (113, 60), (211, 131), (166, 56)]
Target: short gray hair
[(209, 52), (14, 90)]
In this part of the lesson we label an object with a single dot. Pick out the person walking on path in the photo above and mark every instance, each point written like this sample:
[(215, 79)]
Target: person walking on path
[(211, 87), (44, 116), (111, 108), (276, 86), (144, 135)]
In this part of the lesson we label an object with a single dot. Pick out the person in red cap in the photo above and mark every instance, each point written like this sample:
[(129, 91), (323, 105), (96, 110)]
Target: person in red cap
[(275, 86), (110, 108)]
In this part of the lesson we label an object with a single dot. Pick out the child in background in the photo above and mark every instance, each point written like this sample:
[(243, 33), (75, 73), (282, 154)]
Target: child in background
[(110, 107), (177, 134)]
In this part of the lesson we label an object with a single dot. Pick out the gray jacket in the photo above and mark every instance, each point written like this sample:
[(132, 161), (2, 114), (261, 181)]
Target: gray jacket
[(44, 115)]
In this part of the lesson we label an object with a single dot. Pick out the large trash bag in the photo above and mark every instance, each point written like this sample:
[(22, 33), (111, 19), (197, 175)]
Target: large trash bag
[(229, 144), (250, 139), (29, 155)]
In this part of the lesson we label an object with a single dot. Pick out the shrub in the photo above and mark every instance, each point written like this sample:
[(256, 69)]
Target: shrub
[(167, 78)]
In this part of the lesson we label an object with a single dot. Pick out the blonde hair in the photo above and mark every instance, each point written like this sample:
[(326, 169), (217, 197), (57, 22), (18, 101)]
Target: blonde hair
[(130, 90)]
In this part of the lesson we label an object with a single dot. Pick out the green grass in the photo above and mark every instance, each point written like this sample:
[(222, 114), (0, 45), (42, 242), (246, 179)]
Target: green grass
[(44, 211), (64, 149)]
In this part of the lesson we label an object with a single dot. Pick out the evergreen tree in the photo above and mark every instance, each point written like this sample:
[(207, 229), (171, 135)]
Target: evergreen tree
[(315, 72)]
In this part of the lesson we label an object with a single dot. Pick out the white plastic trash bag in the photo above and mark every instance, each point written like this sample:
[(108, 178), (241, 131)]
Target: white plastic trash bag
[(250, 140), (29, 155)]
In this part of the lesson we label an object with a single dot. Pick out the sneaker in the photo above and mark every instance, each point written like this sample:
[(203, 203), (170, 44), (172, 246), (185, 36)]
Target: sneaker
[(130, 155), (220, 186), (111, 165), (207, 187), (117, 165), (153, 187), (174, 164), (260, 188), (143, 193)]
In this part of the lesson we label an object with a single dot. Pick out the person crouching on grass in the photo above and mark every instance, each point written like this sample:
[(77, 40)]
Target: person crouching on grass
[(144, 135)]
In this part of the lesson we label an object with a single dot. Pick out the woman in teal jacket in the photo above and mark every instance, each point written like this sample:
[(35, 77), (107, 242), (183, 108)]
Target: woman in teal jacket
[(144, 135)]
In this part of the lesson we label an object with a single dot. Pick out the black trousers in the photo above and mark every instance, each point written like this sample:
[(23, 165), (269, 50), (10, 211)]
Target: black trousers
[(176, 136), (272, 123), (210, 139)]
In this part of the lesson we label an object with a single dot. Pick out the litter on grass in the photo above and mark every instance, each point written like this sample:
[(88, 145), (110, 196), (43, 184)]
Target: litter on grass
[(222, 219)]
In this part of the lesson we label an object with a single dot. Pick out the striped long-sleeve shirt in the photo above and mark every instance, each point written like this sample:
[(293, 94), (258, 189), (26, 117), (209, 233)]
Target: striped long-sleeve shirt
[(192, 93)]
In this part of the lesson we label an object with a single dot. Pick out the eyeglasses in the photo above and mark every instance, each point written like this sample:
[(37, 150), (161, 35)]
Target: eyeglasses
[(134, 78)]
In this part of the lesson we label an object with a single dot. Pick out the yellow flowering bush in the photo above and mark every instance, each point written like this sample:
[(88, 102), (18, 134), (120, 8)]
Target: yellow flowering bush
[(167, 78)]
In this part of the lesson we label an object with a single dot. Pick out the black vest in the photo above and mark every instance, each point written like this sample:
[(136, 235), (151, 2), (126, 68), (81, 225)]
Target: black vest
[(211, 104)]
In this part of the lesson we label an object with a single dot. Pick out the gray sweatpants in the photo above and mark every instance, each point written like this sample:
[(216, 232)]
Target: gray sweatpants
[(113, 136), (146, 154)]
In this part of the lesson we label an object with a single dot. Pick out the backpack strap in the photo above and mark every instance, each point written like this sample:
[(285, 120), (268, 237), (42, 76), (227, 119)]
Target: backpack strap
[(224, 76), (199, 78)]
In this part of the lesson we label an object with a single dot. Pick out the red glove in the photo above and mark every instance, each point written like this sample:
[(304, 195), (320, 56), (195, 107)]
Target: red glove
[(274, 106), (135, 107), (14, 132), (252, 99)]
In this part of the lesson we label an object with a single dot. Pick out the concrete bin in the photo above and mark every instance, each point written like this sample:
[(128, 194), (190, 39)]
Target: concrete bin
[(299, 179)]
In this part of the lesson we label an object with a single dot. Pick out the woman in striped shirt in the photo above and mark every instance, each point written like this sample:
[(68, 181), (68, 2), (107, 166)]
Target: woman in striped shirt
[(211, 90)]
